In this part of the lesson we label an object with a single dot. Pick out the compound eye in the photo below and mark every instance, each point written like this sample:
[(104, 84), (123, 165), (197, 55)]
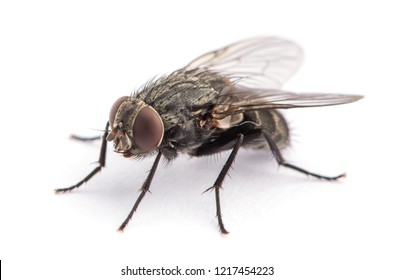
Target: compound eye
[(115, 108), (148, 129)]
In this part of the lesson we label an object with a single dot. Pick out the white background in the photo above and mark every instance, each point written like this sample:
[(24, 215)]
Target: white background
[(62, 65)]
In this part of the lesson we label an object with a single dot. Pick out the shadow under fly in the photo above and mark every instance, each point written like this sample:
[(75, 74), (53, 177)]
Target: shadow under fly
[(223, 100)]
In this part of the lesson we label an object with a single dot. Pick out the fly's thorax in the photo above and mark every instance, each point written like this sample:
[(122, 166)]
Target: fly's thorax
[(136, 128)]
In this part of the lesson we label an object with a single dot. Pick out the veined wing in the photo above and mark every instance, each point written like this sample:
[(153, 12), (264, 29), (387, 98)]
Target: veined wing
[(263, 62), (235, 100)]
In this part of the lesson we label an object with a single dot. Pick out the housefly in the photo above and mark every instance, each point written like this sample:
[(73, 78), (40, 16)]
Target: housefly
[(222, 100)]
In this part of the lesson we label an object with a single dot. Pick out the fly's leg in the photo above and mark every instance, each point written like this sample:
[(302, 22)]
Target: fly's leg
[(85, 139), (144, 190), (281, 161), (101, 162), (220, 179)]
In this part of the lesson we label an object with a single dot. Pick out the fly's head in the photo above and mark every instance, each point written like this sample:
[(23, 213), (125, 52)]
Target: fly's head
[(136, 128)]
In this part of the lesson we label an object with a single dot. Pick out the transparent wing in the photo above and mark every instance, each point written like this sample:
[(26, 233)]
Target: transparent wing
[(264, 62), (234, 100)]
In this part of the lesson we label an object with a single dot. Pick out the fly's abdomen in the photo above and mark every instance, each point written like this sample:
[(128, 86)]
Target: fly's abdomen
[(272, 122), (251, 127)]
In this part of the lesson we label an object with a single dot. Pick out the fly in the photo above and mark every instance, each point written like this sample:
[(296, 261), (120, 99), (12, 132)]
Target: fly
[(223, 100)]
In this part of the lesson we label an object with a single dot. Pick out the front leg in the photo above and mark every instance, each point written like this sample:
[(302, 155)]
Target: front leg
[(144, 190), (101, 161)]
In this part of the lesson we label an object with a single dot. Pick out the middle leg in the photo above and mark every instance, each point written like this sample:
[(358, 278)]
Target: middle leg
[(220, 179)]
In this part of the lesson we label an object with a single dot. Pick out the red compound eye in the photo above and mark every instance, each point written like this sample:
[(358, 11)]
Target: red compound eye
[(115, 108), (148, 129)]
